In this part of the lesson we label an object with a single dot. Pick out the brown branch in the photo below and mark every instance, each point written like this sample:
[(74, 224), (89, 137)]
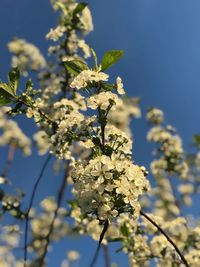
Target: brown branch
[(106, 255), (106, 223), (167, 237), (30, 206), (105, 228), (51, 228), (9, 161)]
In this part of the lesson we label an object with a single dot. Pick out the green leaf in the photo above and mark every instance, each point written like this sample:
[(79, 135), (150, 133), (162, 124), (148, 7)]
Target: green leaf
[(5, 87), (196, 140), (108, 150), (107, 86), (8, 90), (79, 8), (96, 141), (13, 79), (75, 66), (5, 97), (124, 230), (29, 85), (110, 58)]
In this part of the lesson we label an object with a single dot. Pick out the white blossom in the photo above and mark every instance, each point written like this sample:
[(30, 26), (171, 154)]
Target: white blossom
[(56, 34), (86, 76), (119, 86)]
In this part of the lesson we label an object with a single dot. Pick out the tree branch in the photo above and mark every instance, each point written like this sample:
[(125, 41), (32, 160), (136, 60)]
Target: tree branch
[(105, 228), (106, 255), (167, 237), (10, 159), (59, 200), (30, 206)]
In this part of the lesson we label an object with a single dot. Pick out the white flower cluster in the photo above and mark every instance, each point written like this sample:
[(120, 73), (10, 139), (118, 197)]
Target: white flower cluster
[(124, 110), (133, 242), (12, 134), (193, 257), (72, 258), (85, 48), (57, 4), (170, 147), (42, 142), (170, 161), (119, 86), (51, 87), (71, 126), (108, 186), (159, 245), (56, 34), (10, 235), (68, 6), (88, 76), (165, 204), (155, 116), (83, 25), (9, 239), (73, 255), (120, 142), (27, 56), (7, 258), (103, 100), (186, 190), (86, 20), (33, 113), (73, 43), (40, 225)]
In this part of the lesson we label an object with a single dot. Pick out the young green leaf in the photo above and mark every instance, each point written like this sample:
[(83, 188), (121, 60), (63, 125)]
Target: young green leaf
[(6, 88), (75, 66), (124, 230), (13, 79), (196, 140), (110, 58), (107, 86), (5, 98), (29, 85), (79, 8)]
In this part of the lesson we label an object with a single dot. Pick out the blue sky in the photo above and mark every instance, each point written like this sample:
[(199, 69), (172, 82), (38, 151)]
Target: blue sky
[(161, 40)]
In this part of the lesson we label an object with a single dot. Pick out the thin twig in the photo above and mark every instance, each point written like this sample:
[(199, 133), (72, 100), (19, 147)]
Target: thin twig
[(21, 100), (105, 228), (30, 206), (177, 202), (106, 223), (106, 255), (9, 161), (51, 228), (103, 137), (167, 237)]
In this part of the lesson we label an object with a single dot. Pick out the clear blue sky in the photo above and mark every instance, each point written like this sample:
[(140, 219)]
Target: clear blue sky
[(161, 40)]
